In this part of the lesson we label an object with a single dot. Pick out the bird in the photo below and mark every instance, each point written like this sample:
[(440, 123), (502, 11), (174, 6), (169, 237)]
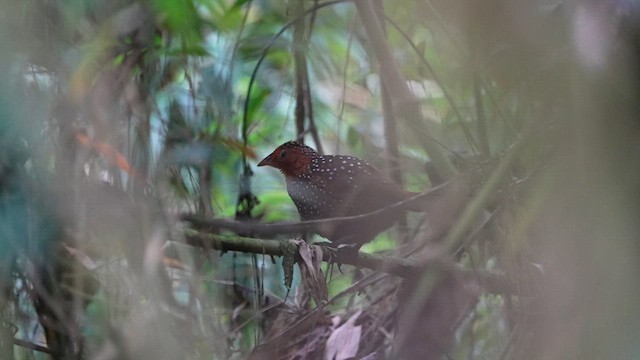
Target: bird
[(330, 186)]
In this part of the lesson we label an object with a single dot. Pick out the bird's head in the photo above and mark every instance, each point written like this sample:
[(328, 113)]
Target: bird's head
[(291, 158)]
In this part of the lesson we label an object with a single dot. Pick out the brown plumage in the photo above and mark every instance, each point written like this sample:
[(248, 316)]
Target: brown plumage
[(329, 186)]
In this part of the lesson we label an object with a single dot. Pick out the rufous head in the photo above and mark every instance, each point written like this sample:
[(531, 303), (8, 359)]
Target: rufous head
[(291, 158)]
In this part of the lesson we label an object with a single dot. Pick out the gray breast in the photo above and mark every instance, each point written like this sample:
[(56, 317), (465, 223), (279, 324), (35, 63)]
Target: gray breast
[(310, 199)]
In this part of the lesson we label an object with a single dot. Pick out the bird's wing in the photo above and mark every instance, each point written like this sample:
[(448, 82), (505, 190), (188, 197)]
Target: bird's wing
[(357, 187)]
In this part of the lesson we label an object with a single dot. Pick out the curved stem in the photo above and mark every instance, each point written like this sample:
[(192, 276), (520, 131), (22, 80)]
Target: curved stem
[(265, 51)]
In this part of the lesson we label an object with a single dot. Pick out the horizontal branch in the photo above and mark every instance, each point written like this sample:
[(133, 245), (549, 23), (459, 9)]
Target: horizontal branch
[(395, 266), (493, 283), (426, 201)]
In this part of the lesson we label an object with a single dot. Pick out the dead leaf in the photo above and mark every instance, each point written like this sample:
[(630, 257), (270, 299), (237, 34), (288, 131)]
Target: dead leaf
[(311, 272), (344, 342)]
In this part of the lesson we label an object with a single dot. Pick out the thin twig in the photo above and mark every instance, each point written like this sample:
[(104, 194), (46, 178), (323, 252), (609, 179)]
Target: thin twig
[(31, 346), (294, 228)]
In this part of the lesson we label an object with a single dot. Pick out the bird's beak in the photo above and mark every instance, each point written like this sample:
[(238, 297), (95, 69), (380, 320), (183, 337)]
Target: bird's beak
[(266, 161)]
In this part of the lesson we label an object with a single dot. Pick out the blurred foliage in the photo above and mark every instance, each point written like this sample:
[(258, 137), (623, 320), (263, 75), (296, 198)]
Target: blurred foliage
[(117, 116)]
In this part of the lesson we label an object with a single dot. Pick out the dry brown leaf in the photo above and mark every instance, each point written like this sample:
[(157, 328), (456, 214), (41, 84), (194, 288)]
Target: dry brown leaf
[(311, 272), (344, 342), (307, 257)]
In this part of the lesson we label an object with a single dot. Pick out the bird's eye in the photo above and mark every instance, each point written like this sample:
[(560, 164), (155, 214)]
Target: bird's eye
[(283, 154)]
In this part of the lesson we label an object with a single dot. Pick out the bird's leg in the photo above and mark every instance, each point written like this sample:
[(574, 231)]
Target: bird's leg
[(348, 250), (333, 252)]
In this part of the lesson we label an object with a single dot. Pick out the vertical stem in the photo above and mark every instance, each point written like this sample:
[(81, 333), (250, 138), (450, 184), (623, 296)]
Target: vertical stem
[(299, 61), (304, 104), (406, 105), (344, 82), (481, 120), (204, 179), (390, 130), (300, 65), (309, 105)]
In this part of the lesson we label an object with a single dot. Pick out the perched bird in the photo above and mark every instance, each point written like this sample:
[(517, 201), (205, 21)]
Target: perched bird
[(330, 186)]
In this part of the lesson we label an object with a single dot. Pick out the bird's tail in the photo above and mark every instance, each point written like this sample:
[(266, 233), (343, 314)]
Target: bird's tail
[(442, 196)]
